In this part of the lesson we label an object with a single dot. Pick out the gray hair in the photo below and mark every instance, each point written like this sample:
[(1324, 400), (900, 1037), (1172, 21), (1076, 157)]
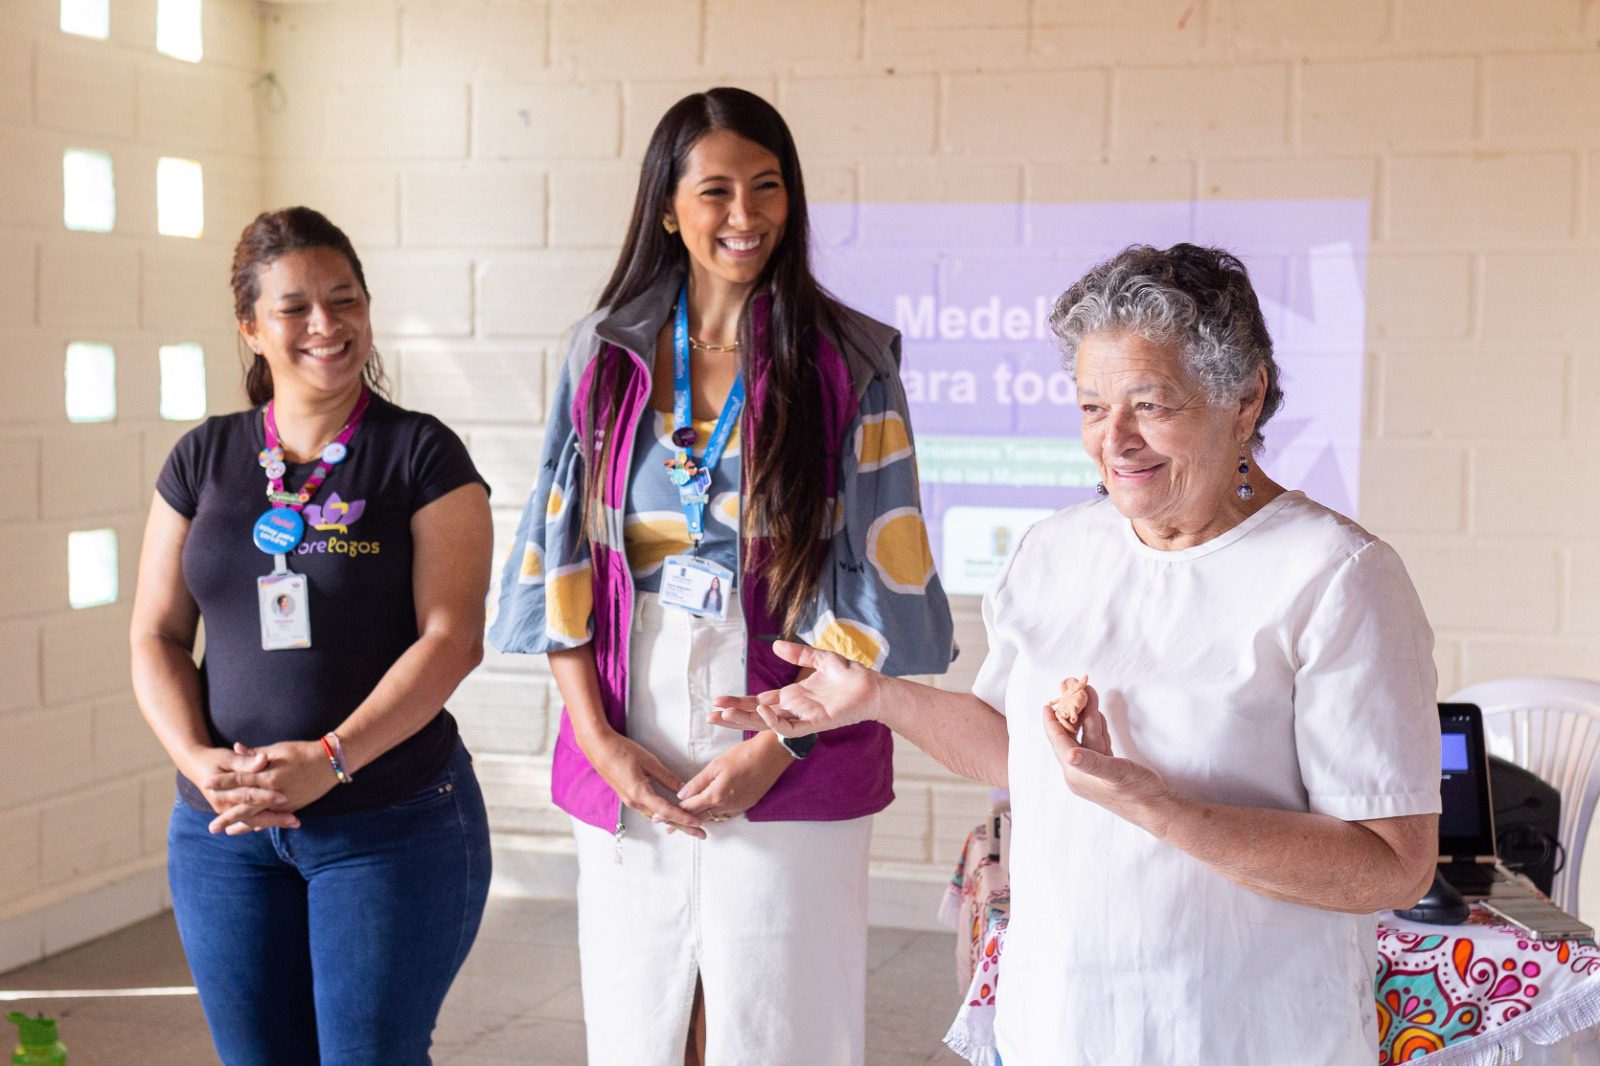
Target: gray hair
[(1199, 299)]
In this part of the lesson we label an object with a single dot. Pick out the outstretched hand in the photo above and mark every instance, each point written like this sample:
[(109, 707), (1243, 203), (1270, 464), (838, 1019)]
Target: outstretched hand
[(1128, 789), (837, 692)]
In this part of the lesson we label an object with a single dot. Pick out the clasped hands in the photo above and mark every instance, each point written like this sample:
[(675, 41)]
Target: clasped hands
[(728, 785), (839, 692), (259, 788)]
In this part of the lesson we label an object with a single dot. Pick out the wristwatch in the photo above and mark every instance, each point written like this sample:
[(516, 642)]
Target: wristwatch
[(799, 747)]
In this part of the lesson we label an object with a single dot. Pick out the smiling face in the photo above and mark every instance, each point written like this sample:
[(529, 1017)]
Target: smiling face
[(312, 322), (730, 207), (1168, 456)]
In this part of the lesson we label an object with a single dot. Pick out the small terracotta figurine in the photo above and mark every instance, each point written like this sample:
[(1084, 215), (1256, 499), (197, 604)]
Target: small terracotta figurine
[(1072, 701)]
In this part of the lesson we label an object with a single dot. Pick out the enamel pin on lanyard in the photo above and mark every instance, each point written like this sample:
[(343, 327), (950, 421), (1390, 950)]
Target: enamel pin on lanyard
[(688, 582), (284, 597)]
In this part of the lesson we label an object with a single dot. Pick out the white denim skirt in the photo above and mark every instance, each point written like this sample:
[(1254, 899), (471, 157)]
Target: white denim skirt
[(770, 916)]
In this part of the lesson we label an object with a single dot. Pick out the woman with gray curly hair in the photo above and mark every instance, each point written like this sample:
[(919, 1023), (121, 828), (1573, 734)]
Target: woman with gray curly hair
[(1202, 833)]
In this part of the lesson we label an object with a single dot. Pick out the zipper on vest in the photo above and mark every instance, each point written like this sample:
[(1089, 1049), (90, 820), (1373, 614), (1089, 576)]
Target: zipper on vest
[(616, 839)]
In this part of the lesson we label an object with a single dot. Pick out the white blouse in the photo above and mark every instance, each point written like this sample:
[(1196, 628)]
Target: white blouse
[(1286, 663)]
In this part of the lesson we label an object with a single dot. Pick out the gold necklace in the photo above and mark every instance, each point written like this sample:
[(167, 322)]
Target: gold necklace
[(704, 347)]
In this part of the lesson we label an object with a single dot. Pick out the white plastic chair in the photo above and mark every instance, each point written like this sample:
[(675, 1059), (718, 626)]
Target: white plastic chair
[(1550, 726)]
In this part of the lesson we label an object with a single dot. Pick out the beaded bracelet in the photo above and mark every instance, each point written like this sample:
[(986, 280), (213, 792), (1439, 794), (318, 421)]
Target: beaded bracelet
[(335, 753)]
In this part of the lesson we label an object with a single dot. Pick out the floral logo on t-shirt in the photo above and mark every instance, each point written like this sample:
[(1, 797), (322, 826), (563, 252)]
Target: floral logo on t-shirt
[(338, 515)]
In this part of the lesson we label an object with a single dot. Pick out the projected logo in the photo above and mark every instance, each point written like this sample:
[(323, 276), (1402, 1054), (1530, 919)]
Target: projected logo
[(971, 286)]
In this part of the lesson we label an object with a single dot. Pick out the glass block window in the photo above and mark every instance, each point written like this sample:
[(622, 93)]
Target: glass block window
[(178, 29), (88, 191), (91, 382), (92, 567), (86, 18), (180, 198), (183, 382)]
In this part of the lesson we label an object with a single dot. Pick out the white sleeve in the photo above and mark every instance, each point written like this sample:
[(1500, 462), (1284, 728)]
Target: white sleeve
[(1366, 719), (995, 673)]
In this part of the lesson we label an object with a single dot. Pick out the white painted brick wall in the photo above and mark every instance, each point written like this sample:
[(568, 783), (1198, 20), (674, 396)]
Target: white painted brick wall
[(1446, 392), (21, 842), (1425, 102), (1420, 296), (90, 473), (489, 38), (548, 120), (1273, 28), (787, 33), (89, 832), (25, 395), (16, 80), (861, 117), (79, 89), (1490, 25), (474, 385), (625, 38), (86, 652), (1086, 31), (80, 820), (34, 571), (30, 182), (19, 665), (1543, 297), (929, 32), (511, 201), (366, 197), (88, 280), (420, 294), (1481, 198), (1237, 109), (980, 116)]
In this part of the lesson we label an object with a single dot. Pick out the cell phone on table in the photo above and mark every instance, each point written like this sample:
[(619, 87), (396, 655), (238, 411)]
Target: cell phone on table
[(1540, 918)]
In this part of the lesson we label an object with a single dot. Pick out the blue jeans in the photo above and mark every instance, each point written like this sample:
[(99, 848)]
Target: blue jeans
[(334, 943)]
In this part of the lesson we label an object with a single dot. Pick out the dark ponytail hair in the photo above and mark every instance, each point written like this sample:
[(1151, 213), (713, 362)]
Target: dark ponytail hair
[(790, 510), (272, 235)]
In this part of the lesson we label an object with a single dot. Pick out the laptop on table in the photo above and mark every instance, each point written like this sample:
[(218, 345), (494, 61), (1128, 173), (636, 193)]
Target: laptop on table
[(1468, 855)]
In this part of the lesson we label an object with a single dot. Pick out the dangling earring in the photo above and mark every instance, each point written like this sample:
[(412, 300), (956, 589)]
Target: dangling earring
[(669, 224), (1244, 491), (1100, 489)]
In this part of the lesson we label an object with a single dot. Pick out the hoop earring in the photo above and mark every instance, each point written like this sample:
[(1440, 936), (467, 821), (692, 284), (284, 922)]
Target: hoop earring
[(1244, 491), (668, 224)]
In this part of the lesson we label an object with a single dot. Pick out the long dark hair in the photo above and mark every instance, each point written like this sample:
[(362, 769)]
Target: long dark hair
[(789, 510), (272, 235)]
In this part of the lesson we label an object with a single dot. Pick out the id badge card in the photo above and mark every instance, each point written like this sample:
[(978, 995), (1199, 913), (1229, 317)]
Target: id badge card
[(699, 586), (285, 605)]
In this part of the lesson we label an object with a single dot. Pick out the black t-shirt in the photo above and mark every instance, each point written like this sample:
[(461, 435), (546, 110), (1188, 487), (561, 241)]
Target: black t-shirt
[(357, 558)]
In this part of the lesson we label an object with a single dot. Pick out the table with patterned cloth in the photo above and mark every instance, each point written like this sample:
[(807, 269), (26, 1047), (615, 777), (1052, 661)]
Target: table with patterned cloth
[(1477, 994)]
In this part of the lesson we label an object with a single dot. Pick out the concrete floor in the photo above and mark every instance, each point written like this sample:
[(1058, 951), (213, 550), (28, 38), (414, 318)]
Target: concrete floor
[(516, 1000)]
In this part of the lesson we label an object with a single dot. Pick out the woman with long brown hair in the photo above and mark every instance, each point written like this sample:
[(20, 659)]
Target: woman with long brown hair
[(727, 460)]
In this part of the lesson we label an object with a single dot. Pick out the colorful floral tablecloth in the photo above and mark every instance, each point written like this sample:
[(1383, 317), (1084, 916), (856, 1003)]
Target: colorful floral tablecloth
[(1477, 994)]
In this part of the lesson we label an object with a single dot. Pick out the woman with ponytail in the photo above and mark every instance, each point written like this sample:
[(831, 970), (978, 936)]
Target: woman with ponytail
[(720, 425), (329, 849)]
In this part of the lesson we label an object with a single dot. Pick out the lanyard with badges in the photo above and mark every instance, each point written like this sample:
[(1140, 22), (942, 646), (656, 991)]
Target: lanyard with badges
[(283, 595), (689, 582)]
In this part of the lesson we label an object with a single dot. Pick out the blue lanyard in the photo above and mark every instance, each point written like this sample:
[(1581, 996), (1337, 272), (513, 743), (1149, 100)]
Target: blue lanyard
[(692, 475)]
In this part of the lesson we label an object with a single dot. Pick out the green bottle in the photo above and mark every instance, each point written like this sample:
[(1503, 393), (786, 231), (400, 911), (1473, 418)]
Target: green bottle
[(38, 1043)]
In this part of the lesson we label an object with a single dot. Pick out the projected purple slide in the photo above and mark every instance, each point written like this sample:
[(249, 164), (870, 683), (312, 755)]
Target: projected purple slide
[(970, 286)]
